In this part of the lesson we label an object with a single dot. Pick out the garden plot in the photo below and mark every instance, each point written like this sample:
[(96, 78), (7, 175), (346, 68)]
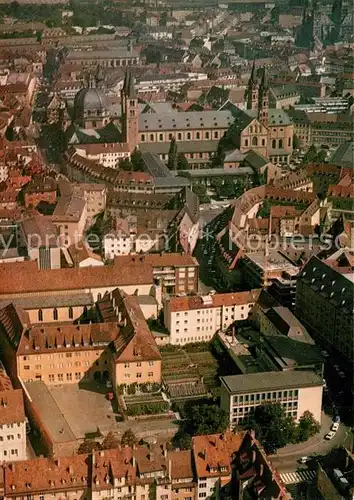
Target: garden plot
[(144, 404)]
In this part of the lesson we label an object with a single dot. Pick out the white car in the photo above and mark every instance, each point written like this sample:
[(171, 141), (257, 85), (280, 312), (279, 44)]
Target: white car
[(303, 460), (109, 384), (330, 435), (335, 426)]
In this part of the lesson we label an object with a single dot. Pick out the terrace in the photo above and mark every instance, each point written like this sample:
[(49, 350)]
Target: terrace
[(190, 372)]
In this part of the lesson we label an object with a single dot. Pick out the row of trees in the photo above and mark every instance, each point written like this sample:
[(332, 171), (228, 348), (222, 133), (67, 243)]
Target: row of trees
[(176, 160), (135, 164), (109, 442), (274, 429), (202, 419)]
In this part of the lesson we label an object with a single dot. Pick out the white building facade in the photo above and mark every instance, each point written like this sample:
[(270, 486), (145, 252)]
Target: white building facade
[(198, 318)]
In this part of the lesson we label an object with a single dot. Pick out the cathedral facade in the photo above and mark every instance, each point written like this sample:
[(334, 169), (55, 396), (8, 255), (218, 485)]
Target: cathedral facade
[(268, 132)]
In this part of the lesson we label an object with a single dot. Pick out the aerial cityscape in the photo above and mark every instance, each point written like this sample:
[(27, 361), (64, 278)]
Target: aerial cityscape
[(176, 250)]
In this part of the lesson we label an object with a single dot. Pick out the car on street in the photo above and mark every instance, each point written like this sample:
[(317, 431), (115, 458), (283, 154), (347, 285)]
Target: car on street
[(336, 367), (337, 419), (330, 435), (335, 426), (303, 460)]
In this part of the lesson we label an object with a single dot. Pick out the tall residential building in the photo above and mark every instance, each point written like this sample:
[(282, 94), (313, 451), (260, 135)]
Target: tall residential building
[(324, 303)]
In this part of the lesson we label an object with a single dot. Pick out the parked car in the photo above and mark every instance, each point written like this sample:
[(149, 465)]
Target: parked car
[(303, 460), (336, 367), (330, 435), (335, 427), (109, 384), (337, 419)]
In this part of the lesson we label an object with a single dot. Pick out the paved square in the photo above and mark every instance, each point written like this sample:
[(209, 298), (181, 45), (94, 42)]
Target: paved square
[(84, 410)]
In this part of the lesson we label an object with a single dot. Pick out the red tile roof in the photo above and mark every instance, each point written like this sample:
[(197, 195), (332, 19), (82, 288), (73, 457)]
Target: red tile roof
[(217, 300), (158, 260), (214, 452), (25, 277), (11, 407)]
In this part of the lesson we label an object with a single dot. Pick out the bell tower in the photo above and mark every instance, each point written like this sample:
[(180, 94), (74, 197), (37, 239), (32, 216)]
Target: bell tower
[(252, 89), (130, 112), (263, 99)]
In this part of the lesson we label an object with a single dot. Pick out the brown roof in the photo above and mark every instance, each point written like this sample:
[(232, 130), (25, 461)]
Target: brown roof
[(135, 341), (112, 147), (11, 407), (217, 300), (181, 464), (214, 451), (80, 252), (158, 260), (25, 277), (43, 474)]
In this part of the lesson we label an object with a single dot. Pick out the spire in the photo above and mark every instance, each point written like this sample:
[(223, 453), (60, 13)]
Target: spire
[(264, 81), (131, 86), (253, 72), (125, 84)]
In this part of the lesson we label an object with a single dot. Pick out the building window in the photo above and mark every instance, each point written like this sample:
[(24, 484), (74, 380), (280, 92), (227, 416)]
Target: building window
[(280, 143), (197, 135), (207, 135), (246, 143), (55, 314), (263, 142), (216, 134), (188, 136), (289, 141), (274, 144), (71, 313), (179, 136), (254, 141), (142, 137), (151, 137), (40, 315), (170, 136), (161, 137)]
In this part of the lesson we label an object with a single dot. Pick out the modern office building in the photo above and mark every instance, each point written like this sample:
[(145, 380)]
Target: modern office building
[(296, 391)]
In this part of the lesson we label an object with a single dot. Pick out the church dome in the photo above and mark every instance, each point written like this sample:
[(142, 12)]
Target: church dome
[(90, 100)]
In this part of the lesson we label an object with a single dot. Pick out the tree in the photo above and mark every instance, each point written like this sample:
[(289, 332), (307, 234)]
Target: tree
[(307, 427), (273, 427), (321, 156), (205, 419), (182, 441), (128, 438), (310, 155), (201, 191), (137, 160), (88, 446), (296, 142), (110, 441), (172, 155), (182, 162), (125, 164)]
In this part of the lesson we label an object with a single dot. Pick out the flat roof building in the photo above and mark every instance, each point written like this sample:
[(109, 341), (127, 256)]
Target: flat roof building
[(296, 391)]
